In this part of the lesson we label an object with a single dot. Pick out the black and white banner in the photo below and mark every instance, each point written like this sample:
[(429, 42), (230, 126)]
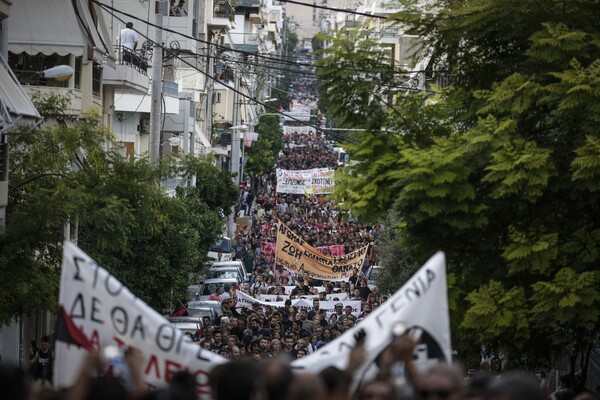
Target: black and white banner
[(109, 314), (97, 311), (421, 305), (305, 181)]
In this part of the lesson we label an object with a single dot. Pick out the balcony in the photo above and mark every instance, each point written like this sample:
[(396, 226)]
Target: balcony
[(390, 32), (223, 15), (185, 27), (248, 3), (130, 70)]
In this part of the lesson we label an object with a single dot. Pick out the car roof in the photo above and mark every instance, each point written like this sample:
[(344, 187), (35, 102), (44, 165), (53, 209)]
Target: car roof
[(203, 303), (227, 263), (220, 280)]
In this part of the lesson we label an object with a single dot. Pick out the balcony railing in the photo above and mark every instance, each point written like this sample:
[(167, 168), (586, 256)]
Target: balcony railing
[(137, 59), (390, 32), (223, 9)]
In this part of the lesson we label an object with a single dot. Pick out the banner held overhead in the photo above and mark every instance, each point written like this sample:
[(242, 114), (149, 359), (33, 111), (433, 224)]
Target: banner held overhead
[(108, 314), (294, 254)]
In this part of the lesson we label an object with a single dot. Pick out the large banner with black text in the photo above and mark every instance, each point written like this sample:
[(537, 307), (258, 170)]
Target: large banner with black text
[(421, 306), (294, 254), (305, 181), (98, 307)]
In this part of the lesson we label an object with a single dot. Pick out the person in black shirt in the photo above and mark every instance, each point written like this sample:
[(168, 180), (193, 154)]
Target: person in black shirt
[(302, 287), (42, 364)]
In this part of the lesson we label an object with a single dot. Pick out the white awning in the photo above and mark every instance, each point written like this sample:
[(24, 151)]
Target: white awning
[(15, 106), (47, 27), (200, 137)]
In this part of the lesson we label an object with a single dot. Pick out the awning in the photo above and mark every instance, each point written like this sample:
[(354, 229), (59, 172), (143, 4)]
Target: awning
[(97, 34), (47, 27), (15, 106), (201, 138)]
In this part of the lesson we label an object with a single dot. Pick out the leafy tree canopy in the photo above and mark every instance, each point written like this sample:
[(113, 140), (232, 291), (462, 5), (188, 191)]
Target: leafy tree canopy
[(500, 170), (151, 242)]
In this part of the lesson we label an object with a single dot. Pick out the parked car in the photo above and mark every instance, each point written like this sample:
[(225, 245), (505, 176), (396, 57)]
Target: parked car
[(232, 264), (372, 274), (225, 273), (200, 309), (210, 286), (186, 324), (224, 247), (193, 292)]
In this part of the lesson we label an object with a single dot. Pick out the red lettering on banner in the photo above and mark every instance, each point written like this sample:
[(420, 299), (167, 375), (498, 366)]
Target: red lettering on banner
[(153, 363), (202, 386), (170, 367), (95, 339)]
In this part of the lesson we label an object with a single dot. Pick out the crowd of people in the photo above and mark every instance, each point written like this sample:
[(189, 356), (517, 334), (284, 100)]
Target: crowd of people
[(254, 378), (261, 340)]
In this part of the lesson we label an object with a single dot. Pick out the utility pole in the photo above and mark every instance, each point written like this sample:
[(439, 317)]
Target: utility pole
[(235, 150), (156, 95), (235, 140)]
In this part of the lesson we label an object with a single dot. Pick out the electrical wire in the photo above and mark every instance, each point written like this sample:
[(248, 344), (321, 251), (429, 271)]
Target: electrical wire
[(269, 108), (334, 9)]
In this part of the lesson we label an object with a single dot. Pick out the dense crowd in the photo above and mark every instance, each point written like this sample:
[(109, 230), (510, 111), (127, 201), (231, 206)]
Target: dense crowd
[(261, 340)]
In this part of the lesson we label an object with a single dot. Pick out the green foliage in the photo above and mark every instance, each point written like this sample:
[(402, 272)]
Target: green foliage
[(500, 170), (153, 243), (264, 151)]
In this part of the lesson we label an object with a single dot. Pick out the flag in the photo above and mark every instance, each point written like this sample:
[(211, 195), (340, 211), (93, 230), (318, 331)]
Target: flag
[(68, 332)]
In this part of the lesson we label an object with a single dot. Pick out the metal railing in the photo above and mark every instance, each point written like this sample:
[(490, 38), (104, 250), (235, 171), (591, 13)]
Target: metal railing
[(223, 9), (137, 59)]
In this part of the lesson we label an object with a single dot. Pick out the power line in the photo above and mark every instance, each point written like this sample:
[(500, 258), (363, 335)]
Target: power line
[(274, 60), (334, 9), (269, 108), (224, 48)]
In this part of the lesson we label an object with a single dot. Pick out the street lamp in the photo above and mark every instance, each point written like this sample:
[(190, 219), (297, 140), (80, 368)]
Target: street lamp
[(60, 72)]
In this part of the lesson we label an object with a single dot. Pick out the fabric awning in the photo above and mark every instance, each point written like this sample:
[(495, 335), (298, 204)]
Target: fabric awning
[(15, 106), (47, 27)]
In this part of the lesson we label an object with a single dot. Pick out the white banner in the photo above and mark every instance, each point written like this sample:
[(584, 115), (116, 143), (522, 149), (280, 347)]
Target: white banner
[(302, 130), (305, 181), (421, 305), (304, 303), (109, 314)]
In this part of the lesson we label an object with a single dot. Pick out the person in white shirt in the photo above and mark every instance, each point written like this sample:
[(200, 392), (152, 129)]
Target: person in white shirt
[(129, 37)]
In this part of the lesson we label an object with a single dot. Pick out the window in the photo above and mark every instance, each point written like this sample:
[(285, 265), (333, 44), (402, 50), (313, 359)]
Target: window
[(216, 98), (78, 67), (3, 158), (27, 68), (97, 80)]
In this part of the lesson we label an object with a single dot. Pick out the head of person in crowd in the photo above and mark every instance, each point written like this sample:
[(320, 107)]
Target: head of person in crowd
[(514, 387), (339, 309), (333, 318), (442, 382), (240, 380), (288, 343), (382, 389), (14, 382), (278, 378), (301, 352), (336, 383)]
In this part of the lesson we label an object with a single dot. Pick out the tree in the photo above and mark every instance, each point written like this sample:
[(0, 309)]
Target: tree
[(264, 152), (153, 243), (500, 171)]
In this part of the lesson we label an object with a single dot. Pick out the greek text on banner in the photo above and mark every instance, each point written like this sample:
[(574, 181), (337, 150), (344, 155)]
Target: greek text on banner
[(294, 254), (305, 181)]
